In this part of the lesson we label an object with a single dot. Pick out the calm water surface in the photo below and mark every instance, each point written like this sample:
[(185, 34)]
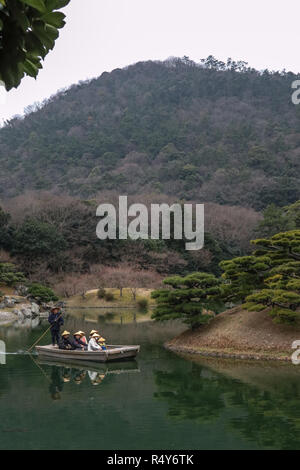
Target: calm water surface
[(160, 401)]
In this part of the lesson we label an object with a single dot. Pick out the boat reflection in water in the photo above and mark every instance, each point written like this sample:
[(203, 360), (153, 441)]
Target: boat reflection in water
[(78, 373)]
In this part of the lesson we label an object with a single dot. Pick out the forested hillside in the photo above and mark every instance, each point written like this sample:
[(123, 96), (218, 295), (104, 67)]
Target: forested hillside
[(210, 132)]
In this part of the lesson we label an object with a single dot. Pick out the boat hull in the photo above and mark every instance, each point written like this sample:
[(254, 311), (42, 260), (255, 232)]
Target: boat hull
[(113, 353)]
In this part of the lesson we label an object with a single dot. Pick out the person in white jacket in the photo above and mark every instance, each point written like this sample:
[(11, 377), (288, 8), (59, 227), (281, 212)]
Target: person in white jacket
[(93, 345)]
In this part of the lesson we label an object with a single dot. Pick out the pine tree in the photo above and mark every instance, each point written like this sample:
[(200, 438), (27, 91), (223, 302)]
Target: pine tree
[(281, 292), (187, 298), (243, 275)]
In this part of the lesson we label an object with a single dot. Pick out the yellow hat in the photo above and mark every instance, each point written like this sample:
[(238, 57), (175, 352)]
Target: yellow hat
[(103, 340), (65, 333), (78, 333), (95, 335), (82, 333), (93, 332)]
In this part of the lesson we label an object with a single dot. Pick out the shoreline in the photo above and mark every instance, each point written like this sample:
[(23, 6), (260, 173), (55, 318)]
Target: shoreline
[(131, 307), (7, 318), (239, 334), (226, 354)]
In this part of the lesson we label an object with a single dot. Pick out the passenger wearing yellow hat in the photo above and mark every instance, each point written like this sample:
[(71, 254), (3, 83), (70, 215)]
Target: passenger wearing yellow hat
[(78, 341), (83, 337), (93, 343), (93, 332), (66, 342), (102, 343)]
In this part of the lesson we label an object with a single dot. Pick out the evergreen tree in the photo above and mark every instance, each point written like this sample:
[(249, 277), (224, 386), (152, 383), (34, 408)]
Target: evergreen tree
[(281, 292), (243, 275), (37, 239), (279, 219), (6, 232), (276, 219), (187, 298), (9, 276)]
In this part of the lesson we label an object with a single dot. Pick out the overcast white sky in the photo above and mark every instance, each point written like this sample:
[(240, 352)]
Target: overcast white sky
[(101, 35)]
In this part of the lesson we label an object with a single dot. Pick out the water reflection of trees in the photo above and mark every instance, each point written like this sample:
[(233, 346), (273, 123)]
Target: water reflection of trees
[(269, 417), (272, 417), (189, 394)]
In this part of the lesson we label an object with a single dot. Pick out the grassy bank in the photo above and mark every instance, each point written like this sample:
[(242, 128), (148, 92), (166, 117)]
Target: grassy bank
[(91, 299), (239, 334)]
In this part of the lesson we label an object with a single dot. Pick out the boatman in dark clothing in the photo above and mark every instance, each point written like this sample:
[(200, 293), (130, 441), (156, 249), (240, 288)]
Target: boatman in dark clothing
[(56, 321)]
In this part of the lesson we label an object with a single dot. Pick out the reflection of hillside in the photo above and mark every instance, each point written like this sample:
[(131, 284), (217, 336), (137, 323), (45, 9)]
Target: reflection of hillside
[(125, 332), (21, 334), (262, 402), (262, 374), (109, 315), (19, 326)]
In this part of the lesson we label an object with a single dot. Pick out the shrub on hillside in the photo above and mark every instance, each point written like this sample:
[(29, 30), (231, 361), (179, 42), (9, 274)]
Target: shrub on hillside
[(109, 297), (9, 275), (143, 303), (42, 293), (101, 293)]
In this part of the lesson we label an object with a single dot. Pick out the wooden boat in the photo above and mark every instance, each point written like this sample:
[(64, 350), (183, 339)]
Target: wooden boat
[(113, 353)]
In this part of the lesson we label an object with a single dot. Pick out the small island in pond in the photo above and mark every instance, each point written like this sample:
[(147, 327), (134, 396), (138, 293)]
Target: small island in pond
[(239, 334)]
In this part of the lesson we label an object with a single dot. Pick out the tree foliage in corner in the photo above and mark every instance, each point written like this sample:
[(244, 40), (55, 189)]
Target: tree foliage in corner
[(281, 292), (188, 298), (28, 31)]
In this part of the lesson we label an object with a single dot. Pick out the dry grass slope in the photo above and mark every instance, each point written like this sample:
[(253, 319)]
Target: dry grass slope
[(240, 334)]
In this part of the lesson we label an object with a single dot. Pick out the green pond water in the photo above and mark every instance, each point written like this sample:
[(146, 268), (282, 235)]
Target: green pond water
[(160, 401)]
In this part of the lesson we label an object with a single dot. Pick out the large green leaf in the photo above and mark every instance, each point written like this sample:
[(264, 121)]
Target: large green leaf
[(30, 68), (21, 19), (34, 46), (56, 4), (46, 34), (37, 4), (55, 19)]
